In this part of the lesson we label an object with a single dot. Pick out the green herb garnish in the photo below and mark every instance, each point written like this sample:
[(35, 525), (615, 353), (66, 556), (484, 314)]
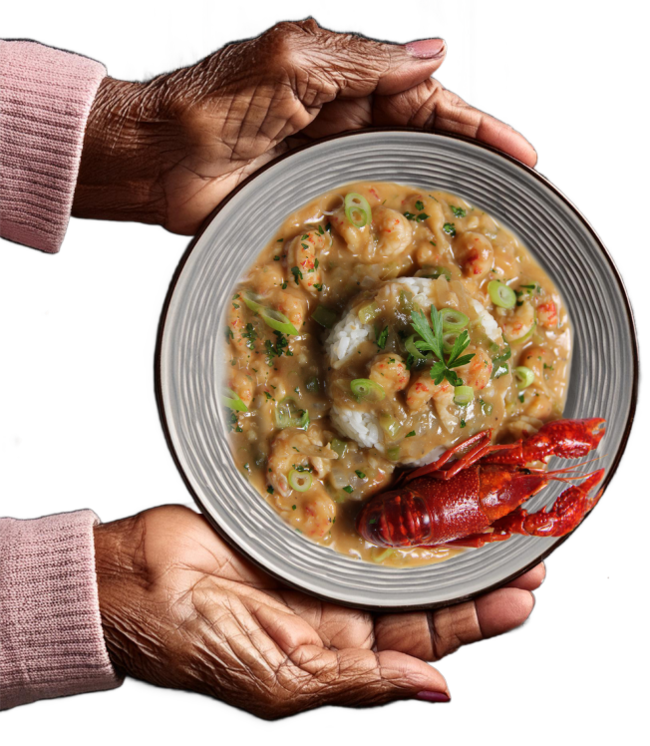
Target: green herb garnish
[(432, 339), (381, 338), (360, 474), (295, 271), (411, 434), (458, 211), (348, 489), (449, 229)]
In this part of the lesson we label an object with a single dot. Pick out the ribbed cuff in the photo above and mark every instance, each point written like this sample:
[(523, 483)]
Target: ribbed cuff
[(45, 99), (51, 638)]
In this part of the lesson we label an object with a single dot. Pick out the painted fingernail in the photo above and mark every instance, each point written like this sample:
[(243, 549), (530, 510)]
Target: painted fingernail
[(433, 696), (426, 49)]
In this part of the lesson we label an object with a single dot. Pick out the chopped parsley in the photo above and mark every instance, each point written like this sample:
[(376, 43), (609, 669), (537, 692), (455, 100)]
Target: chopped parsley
[(295, 271), (463, 423), (270, 490), (419, 205), (360, 474), (267, 395), (381, 338), (411, 434), (458, 211), (276, 258), (418, 218), (449, 229), (348, 489), (251, 335)]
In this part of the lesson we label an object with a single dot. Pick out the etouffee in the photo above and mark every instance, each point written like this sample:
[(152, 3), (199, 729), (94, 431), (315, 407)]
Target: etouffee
[(381, 325)]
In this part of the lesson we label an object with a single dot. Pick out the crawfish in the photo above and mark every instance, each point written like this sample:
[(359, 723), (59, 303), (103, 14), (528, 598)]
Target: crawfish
[(476, 498)]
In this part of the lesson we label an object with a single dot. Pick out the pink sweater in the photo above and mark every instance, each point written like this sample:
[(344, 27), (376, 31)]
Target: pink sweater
[(51, 639)]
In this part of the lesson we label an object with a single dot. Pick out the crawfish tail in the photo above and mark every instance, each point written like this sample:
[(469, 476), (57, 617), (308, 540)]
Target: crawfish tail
[(396, 519)]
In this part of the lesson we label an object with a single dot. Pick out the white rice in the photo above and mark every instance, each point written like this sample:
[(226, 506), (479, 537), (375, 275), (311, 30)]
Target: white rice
[(345, 338), (420, 287), (487, 321), (360, 426)]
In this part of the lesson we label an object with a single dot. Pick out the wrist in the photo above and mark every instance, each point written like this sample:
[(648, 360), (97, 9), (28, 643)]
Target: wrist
[(119, 168), (118, 565)]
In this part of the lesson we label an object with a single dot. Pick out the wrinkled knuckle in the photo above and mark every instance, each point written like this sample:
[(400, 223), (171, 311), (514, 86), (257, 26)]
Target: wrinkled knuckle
[(453, 627)]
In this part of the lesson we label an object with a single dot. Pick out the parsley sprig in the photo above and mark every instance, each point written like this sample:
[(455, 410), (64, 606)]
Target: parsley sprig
[(432, 340)]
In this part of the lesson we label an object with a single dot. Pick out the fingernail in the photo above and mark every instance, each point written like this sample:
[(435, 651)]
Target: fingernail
[(426, 49), (433, 696)]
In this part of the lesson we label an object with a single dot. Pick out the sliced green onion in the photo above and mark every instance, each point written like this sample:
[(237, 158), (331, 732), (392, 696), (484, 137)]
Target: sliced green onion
[(393, 453), (360, 474), (277, 321), (501, 295), (524, 376), (339, 446), (233, 401), (357, 209), (313, 385), (384, 555), (434, 273), (486, 407), (452, 320), (448, 341), (463, 395), (409, 343), (287, 414), (324, 316), (251, 300), (364, 388), (368, 313), (299, 480), (389, 424), (405, 303)]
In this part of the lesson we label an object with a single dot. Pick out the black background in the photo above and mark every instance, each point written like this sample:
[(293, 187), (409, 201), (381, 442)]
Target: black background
[(82, 385)]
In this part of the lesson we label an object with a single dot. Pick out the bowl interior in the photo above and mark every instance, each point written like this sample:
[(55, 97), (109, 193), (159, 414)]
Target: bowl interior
[(603, 377)]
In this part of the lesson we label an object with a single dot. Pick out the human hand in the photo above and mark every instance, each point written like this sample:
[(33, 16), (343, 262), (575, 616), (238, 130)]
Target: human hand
[(168, 151), (181, 609)]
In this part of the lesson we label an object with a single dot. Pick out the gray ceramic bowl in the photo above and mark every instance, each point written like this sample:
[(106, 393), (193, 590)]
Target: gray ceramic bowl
[(190, 351)]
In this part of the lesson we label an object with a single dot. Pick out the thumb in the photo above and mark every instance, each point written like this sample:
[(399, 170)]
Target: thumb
[(323, 64)]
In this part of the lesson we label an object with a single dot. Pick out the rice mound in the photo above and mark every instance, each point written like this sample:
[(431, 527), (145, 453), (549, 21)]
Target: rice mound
[(349, 333)]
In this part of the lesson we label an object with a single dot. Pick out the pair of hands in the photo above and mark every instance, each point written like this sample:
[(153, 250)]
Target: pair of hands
[(179, 607)]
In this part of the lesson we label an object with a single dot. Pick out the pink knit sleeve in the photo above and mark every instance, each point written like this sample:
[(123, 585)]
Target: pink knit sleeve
[(51, 639), (45, 98)]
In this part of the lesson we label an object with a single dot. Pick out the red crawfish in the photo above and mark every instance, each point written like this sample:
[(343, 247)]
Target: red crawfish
[(475, 499)]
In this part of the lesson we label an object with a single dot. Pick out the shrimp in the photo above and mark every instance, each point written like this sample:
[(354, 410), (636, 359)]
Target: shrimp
[(293, 307), (539, 359), (389, 371), (538, 404), (242, 384), (393, 232), (357, 239), (319, 512), (295, 447), (517, 324), (386, 236), (422, 390), (473, 251), (547, 314), (237, 327), (478, 371), (303, 259)]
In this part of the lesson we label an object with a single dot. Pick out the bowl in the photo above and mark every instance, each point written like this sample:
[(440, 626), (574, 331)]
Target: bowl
[(190, 353)]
